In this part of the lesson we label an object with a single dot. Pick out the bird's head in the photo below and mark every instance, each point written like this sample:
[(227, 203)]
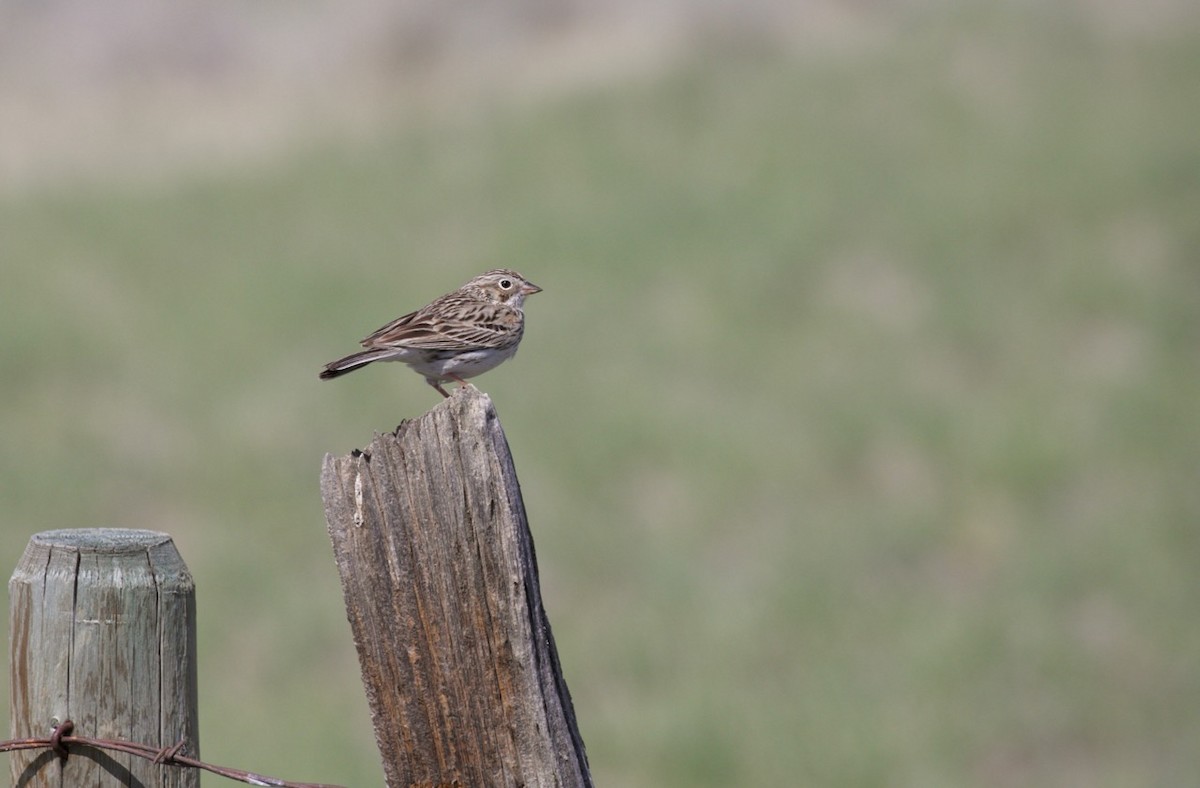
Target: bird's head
[(503, 286)]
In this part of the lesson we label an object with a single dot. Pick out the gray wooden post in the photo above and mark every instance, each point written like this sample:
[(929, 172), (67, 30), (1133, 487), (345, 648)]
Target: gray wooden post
[(441, 586), (102, 631)]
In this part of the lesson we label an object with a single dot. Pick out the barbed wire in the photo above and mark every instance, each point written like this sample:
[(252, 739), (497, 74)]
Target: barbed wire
[(60, 738)]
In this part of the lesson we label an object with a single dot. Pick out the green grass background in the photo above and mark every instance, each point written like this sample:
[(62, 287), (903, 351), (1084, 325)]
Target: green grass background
[(857, 424)]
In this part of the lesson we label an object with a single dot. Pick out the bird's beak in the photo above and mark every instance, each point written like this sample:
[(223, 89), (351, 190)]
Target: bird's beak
[(529, 288)]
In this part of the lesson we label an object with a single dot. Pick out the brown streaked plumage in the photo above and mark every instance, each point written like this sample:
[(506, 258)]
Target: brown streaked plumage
[(458, 336)]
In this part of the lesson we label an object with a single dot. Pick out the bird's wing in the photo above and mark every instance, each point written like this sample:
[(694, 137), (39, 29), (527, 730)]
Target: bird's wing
[(450, 324), (393, 327)]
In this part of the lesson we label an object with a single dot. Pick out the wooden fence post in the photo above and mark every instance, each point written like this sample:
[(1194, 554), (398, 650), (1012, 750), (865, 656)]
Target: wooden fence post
[(437, 564), (102, 631)]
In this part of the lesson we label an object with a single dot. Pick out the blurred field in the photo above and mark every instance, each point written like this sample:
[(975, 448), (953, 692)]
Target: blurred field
[(857, 423)]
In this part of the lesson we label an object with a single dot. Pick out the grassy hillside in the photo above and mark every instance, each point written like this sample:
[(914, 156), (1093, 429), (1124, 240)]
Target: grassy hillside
[(857, 422)]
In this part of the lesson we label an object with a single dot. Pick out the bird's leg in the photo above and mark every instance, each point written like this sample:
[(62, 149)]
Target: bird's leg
[(433, 382), (462, 383)]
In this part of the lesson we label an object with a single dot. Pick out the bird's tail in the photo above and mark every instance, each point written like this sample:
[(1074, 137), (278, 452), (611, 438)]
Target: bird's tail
[(353, 362)]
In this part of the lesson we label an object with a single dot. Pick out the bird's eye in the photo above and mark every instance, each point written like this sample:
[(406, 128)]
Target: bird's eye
[(506, 284)]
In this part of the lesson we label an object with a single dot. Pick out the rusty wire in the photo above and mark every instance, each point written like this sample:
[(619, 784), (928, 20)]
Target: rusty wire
[(60, 739)]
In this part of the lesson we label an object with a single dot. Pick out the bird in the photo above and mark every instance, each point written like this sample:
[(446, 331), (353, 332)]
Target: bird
[(457, 336)]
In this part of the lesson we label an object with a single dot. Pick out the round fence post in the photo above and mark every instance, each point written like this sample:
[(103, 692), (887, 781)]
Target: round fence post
[(102, 631)]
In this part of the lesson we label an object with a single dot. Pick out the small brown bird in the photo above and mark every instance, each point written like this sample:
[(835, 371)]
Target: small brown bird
[(458, 336)]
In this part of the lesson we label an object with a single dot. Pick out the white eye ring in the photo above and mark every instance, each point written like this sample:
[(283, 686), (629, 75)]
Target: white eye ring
[(506, 284)]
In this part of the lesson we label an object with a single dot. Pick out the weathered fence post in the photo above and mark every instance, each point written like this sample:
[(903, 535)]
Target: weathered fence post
[(102, 631), (437, 564)]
